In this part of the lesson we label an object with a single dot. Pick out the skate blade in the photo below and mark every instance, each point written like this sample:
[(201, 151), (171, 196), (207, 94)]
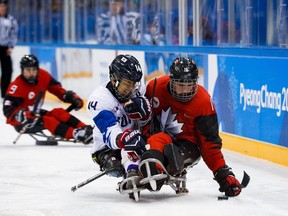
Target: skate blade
[(122, 187)]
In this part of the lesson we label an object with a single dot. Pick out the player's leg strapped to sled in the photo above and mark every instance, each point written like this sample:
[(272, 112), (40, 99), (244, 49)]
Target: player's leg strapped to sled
[(60, 123), (165, 163)]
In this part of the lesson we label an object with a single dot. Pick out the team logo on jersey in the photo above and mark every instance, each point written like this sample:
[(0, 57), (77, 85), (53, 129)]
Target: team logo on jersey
[(31, 95), (170, 123), (155, 102)]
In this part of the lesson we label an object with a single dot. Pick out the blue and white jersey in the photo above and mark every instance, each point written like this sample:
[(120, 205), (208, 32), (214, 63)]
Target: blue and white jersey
[(8, 31), (109, 117)]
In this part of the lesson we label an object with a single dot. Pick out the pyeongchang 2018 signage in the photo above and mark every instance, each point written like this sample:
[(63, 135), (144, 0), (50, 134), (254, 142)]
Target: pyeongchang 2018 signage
[(251, 97), (264, 99)]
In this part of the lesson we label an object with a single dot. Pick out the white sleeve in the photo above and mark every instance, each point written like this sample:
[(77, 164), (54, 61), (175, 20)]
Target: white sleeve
[(103, 109)]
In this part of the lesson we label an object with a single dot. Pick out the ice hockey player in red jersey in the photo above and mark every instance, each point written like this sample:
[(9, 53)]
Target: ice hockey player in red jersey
[(20, 100), (187, 127)]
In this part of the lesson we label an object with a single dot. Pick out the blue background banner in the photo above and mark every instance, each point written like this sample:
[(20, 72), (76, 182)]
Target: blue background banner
[(47, 58), (251, 98)]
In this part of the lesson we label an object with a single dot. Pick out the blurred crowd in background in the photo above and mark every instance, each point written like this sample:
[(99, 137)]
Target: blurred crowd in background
[(240, 23)]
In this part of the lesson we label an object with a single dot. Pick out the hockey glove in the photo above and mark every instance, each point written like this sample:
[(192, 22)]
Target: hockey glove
[(227, 181), (25, 116), (74, 99), (138, 108), (131, 140), (109, 159)]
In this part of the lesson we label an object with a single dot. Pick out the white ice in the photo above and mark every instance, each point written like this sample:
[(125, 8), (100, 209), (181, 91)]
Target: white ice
[(36, 181)]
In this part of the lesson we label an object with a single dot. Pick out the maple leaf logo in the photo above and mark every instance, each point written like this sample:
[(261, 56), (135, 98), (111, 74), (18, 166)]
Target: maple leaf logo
[(169, 123)]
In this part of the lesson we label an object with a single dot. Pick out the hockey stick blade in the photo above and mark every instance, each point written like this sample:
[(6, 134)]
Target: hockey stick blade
[(245, 180), (87, 181), (244, 183)]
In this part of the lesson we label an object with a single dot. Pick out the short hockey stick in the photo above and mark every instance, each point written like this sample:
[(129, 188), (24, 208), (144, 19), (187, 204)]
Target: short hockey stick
[(244, 183), (87, 181)]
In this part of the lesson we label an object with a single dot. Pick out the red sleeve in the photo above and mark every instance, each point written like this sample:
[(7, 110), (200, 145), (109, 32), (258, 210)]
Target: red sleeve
[(19, 95), (47, 82), (10, 108), (210, 142), (56, 88)]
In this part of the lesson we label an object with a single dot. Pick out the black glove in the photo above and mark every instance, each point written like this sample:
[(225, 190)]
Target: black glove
[(25, 116), (138, 108), (131, 140), (74, 99), (109, 159), (227, 181)]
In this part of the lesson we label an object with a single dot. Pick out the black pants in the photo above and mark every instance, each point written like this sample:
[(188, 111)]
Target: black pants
[(6, 70)]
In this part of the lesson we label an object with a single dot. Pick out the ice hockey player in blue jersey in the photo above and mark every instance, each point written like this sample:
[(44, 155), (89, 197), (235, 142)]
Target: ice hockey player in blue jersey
[(117, 140)]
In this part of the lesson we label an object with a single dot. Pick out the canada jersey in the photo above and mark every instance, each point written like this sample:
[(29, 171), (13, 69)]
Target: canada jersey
[(195, 120), (22, 95)]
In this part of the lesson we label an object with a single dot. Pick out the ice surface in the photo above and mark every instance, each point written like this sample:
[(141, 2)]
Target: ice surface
[(36, 181)]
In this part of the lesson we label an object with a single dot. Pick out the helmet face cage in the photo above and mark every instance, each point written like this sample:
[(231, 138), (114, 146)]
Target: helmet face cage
[(29, 61), (125, 70), (183, 79), (124, 96)]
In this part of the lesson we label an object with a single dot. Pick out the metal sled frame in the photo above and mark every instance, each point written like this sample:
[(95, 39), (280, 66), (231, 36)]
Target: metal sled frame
[(43, 137), (48, 139), (177, 183), (134, 191)]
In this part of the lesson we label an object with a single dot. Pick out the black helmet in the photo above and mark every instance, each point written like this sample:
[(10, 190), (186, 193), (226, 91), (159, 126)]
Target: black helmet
[(183, 74), (125, 68), (29, 61)]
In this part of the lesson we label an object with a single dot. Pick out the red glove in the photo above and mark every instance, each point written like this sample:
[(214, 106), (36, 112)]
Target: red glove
[(227, 181), (24, 116), (74, 99)]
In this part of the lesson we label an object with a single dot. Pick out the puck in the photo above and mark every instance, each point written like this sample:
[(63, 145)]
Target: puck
[(222, 198)]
